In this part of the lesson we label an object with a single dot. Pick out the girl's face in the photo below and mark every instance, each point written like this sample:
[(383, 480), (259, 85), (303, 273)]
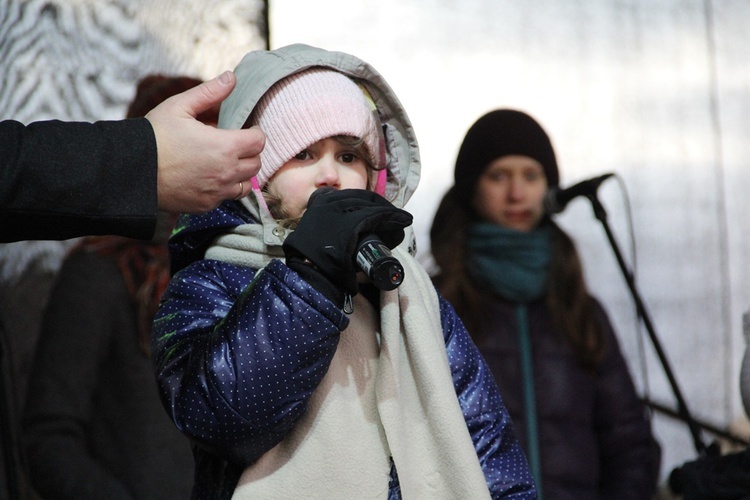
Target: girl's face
[(327, 163), (510, 192)]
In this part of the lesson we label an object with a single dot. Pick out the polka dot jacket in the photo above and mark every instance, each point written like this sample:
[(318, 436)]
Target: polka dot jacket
[(238, 353)]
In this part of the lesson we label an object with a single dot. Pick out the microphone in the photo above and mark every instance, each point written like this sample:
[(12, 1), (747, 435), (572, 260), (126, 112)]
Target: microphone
[(377, 262), (373, 257), (557, 199)]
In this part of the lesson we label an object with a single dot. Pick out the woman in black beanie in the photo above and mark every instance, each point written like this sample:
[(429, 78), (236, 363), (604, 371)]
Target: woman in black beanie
[(516, 280)]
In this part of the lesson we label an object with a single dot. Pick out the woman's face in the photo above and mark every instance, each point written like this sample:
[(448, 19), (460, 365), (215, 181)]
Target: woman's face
[(327, 163), (510, 192)]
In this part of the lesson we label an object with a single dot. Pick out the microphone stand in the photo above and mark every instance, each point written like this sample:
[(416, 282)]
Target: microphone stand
[(682, 409), (726, 434)]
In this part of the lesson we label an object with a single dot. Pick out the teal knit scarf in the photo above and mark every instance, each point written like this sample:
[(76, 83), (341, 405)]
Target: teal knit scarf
[(515, 265)]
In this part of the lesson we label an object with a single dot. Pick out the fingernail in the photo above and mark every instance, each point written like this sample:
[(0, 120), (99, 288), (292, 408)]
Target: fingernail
[(224, 78)]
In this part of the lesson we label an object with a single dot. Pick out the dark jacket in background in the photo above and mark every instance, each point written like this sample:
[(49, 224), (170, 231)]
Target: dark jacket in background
[(60, 180), (595, 440), (94, 427)]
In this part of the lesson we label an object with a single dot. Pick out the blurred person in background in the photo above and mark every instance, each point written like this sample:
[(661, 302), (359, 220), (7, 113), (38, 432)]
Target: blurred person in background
[(516, 281), (93, 426)]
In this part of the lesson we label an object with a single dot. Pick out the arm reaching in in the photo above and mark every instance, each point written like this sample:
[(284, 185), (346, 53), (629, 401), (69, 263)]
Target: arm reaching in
[(60, 180), (199, 165)]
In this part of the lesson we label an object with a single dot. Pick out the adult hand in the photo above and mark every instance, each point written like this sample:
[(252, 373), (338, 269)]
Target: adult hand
[(200, 165)]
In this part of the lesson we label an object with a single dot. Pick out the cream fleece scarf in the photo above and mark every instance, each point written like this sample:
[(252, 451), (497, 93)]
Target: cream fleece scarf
[(394, 398)]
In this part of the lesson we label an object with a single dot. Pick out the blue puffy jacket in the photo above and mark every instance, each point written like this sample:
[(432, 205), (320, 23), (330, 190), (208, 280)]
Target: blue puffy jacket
[(215, 316)]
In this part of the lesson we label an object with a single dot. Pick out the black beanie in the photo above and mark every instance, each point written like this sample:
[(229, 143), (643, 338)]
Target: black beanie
[(500, 133)]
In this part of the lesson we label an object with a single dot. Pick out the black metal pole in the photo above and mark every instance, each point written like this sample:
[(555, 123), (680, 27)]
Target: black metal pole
[(713, 429), (682, 408)]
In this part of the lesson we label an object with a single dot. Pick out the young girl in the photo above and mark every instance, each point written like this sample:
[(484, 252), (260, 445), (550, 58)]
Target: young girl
[(515, 278), (291, 373)]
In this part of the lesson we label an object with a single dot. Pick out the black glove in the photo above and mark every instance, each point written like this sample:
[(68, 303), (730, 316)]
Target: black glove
[(332, 226)]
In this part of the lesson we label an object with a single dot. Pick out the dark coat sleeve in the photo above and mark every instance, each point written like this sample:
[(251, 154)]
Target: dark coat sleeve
[(61, 180)]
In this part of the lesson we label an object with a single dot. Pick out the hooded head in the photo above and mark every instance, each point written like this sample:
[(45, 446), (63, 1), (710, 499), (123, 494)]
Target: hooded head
[(501, 133), (307, 107), (262, 73)]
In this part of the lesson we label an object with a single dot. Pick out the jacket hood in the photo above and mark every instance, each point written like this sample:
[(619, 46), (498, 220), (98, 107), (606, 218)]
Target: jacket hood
[(256, 74)]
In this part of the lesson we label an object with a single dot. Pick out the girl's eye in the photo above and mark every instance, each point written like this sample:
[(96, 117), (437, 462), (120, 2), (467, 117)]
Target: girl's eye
[(302, 155), (348, 157)]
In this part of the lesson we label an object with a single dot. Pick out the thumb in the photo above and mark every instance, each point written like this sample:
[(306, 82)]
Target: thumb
[(208, 94)]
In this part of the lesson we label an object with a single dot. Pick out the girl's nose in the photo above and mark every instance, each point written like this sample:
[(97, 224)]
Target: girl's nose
[(327, 174)]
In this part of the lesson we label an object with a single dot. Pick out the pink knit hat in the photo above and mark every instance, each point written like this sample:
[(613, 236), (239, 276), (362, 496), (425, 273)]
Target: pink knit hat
[(307, 107)]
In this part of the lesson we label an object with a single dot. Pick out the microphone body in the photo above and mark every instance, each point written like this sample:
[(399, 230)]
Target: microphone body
[(557, 199), (373, 257), (377, 262)]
